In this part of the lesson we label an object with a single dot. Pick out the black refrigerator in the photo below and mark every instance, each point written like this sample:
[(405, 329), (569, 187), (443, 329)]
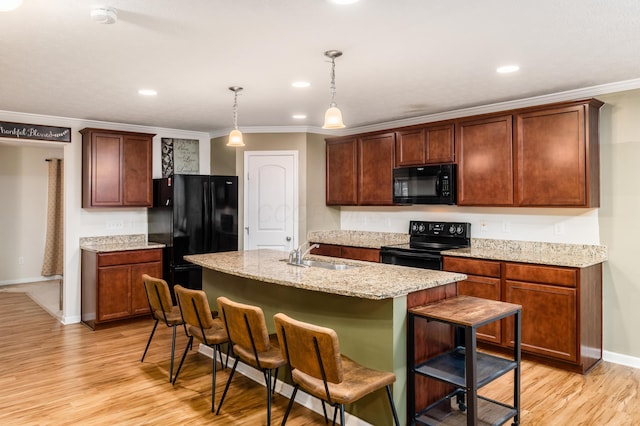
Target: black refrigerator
[(192, 214)]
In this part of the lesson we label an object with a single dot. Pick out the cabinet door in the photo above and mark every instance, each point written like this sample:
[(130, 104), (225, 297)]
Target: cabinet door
[(139, 303), (341, 174), (410, 148), (486, 288), (106, 161), (375, 169), (551, 157), (439, 144), (137, 181), (113, 292), (549, 319), (485, 161)]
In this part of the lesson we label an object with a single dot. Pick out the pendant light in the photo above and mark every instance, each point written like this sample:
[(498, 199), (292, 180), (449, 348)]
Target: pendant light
[(235, 137), (333, 116)]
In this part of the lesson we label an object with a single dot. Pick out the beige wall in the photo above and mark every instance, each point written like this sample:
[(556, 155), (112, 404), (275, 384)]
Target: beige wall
[(619, 215), (23, 216), (312, 213)]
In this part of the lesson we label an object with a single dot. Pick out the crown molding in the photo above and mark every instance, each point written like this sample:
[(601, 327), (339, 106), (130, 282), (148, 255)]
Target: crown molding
[(77, 123)]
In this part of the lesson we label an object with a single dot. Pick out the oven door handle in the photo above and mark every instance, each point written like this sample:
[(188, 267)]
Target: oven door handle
[(400, 253)]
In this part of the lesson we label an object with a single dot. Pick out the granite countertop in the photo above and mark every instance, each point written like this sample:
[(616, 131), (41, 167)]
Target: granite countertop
[(553, 254), (117, 243), (368, 281), (366, 239)]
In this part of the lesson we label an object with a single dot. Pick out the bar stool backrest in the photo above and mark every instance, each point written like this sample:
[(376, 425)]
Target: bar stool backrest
[(309, 348), (244, 323)]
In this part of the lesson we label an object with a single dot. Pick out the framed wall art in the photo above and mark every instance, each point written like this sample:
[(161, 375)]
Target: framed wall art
[(180, 156)]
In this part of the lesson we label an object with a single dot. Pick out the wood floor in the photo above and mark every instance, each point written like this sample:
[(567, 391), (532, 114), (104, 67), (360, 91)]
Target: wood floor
[(69, 375)]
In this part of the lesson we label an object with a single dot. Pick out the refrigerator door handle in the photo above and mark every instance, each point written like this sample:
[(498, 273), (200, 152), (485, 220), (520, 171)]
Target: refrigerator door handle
[(206, 215)]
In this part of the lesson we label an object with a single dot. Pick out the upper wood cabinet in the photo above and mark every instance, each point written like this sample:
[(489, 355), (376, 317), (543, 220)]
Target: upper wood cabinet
[(360, 170), (342, 177), (485, 161), (557, 156), (116, 169), (375, 169), (425, 145)]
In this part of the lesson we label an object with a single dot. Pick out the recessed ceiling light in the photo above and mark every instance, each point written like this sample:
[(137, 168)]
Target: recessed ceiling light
[(7, 5), (301, 84), (299, 116), (344, 1), (104, 15), (505, 69), (147, 92)]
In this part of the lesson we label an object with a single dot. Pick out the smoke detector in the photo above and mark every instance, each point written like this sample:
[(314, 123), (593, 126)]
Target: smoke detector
[(104, 15)]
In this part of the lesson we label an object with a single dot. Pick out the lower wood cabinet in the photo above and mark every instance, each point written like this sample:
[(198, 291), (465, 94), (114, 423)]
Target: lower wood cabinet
[(348, 252), (561, 307), (112, 287)]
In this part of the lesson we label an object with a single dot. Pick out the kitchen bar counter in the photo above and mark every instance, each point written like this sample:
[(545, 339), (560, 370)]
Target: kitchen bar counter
[(367, 280), (115, 243), (366, 306)]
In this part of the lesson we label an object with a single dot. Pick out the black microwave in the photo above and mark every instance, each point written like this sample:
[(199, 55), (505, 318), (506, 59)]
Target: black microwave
[(433, 184)]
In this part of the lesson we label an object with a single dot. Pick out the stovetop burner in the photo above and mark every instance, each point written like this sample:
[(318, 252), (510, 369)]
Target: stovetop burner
[(426, 241)]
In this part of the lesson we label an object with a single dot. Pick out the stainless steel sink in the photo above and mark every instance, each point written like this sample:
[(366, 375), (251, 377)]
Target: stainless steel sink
[(320, 264)]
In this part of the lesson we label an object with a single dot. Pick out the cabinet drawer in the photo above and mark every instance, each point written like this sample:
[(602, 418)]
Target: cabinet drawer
[(129, 257), (327, 250), (361, 253), (567, 277), (485, 268)]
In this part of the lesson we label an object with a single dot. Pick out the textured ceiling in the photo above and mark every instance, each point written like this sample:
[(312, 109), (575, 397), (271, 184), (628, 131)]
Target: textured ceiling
[(402, 58)]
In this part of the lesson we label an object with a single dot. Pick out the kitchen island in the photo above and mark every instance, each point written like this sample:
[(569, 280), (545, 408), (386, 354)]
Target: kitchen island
[(366, 305)]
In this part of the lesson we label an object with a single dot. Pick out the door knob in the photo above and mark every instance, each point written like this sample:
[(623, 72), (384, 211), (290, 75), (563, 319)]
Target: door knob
[(288, 238)]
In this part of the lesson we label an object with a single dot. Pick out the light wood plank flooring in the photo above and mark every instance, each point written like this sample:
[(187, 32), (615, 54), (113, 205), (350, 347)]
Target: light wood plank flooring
[(68, 375)]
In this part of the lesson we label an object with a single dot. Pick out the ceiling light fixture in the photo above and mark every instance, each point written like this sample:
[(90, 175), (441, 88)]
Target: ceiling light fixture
[(235, 137), (104, 15), (9, 5), (333, 116), (147, 92), (344, 1), (507, 69), (300, 84), (299, 116)]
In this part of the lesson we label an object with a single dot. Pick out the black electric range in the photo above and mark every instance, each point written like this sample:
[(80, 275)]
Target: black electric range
[(426, 242)]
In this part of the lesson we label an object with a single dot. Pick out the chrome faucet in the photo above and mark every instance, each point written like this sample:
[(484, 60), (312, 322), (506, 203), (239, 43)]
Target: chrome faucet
[(297, 255)]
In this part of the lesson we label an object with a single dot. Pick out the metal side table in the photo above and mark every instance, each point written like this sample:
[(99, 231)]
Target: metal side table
[(463, 367)]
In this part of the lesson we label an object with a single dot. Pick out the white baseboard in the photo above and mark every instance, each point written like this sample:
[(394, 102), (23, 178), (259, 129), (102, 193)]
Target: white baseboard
[(31, 280), (302, 398), (622, 359)]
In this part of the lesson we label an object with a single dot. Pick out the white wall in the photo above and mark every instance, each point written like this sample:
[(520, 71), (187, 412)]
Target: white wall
[(80, 222), (23, 216), (579, 226)]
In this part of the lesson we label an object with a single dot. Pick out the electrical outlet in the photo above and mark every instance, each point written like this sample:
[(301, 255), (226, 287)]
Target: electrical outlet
[(558, 228), (484, 227), (115, 224), (21, 260), (506, 227)]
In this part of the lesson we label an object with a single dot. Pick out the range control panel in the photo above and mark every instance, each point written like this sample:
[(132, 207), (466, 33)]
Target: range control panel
[(442, 229)]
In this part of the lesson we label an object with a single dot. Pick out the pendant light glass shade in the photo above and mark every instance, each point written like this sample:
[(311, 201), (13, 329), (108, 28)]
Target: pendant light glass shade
[(235, 137), (333, 116)]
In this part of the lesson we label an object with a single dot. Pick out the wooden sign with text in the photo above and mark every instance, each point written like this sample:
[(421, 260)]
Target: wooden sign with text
[(34, 132)]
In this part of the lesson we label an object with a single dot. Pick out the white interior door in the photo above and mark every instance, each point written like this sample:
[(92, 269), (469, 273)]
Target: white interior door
[(271, 200)]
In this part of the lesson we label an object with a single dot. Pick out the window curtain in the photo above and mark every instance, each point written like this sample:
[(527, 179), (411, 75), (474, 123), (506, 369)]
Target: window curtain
[(53, 249)]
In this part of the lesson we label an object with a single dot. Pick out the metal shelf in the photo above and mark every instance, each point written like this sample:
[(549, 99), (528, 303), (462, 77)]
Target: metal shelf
[(449, 367)]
